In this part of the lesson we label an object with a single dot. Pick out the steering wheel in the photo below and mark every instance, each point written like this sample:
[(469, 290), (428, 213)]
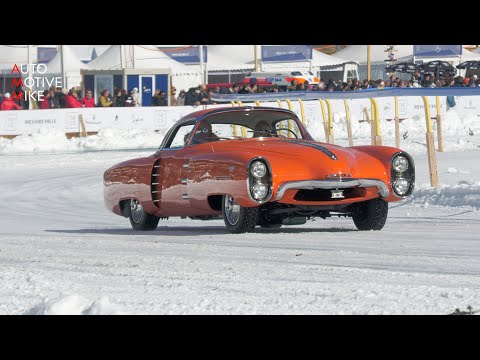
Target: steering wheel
[(286, 129)]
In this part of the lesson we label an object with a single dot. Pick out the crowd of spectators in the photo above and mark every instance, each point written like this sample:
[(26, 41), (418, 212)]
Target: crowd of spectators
[(58, 98)]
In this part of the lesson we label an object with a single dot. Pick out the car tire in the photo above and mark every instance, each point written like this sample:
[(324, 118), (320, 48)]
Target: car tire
[(139, 219), (238, 219), (370, 215)]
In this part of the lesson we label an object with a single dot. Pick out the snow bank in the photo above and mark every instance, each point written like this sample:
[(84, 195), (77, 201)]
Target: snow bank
[(465, 194), (74, 305), (54, 141)]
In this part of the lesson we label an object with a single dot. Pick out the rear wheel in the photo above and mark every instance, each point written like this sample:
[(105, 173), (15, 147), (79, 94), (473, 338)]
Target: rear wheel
[(140, 220), (238, 219), (371, 214)]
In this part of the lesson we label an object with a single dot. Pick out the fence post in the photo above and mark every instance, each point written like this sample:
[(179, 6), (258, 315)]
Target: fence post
[(349, 125), (279, 103), (324, 116), (330, 122), (376, 137), (432, 160), (240, 103), (397, 124), (82, 125), (439, 125), (233, 103), (372, 121), (257, 103)]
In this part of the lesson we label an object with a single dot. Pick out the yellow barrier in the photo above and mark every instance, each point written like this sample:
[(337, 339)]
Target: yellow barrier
[(397, 124), (330, 122), (324, 116), (82, 124), (279, 103), (240, 103), (257, 103), (302, 110), (439, 125), (376, 137), (290, 107), (432, 160), (349, 125), (233, 103)]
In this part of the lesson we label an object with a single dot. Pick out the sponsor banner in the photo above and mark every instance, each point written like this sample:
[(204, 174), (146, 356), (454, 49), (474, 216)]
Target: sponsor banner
[(437, 50), (190, 55), (286, 53), (162, 118)]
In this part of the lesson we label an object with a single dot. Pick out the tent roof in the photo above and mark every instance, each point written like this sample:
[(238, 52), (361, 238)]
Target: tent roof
[(146, 57), (378, 55), (71, 62)]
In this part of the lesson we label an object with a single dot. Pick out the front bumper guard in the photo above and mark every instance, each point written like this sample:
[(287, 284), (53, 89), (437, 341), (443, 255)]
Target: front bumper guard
[(332, 185)]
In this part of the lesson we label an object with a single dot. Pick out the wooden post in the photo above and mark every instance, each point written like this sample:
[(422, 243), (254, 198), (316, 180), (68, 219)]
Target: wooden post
[(378, 136), (324, 116), (330, 122), (439, 125), (397, 124), (234, 127), (349, 125), (432, 160), (82, 125), (368, 61)]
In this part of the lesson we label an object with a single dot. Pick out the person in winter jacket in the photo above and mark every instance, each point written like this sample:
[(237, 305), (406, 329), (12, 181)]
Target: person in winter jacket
[(458, 82), (104, 99), (192, 97), (45, 103), (181, 98), (9, 104), (88, 101), (135, 97), (159, 98), (119, 98), (71, 100)]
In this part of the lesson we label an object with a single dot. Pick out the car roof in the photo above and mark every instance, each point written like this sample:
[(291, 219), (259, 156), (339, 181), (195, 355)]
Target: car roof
[(201, 114)]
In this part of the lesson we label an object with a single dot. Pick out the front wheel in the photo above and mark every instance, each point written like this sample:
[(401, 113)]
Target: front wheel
[(238, 219), (371, 214), (140, 220)]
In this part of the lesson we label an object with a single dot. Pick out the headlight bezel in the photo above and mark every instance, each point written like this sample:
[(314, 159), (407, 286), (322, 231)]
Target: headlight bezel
[(408, 174), (265, 180), (258, 163)]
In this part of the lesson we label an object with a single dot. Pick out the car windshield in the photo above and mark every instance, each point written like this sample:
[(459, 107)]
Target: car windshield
[(248, 124)]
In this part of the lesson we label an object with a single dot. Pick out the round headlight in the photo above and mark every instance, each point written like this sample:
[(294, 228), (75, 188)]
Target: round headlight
[(258, 169), (400, 164), (401, 186), (259, 191)]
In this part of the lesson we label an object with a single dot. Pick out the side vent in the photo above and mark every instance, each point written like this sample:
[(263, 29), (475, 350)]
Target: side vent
[(156, 184)]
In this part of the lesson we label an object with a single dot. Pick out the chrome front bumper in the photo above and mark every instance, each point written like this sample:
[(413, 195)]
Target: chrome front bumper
[(332, 185)]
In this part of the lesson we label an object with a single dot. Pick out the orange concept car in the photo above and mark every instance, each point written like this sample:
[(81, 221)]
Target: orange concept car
[(256, 166)]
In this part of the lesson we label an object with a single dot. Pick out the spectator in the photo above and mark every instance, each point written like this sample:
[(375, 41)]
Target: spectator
[(159, 98), (105, 100), (181, 98), (245, 89), (60, 97), (71, 100), (234, 89), (300, 87), (88, 101), (306, 85), (331, 87), (9, 104), (292, 86), (192, 97), (173, 92), (458, 82), (119, 96), (135, 97)]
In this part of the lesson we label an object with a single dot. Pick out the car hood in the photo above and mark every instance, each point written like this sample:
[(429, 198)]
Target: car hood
[(308, 158)]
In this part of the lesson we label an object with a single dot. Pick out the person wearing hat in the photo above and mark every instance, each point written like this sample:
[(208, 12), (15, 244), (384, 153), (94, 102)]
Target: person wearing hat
[(9, 104), (71, 100)]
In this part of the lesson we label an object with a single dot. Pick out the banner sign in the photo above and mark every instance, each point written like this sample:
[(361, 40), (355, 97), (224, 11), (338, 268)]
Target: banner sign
[(286, 53), (44, 54), (437, 50), (361, 94), (190, 55)]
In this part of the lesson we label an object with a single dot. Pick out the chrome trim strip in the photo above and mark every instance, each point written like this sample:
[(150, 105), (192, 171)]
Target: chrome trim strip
[(155, 183), (186, 165), (333, 184), (184, 181), (184, 196)]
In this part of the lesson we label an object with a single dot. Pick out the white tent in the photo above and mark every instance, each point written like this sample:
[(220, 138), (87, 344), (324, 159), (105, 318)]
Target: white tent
[(15, 54), (71, 67), (148, 57), (378, 55)]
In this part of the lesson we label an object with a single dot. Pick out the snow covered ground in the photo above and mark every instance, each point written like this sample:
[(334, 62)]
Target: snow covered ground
[(62, 252)]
